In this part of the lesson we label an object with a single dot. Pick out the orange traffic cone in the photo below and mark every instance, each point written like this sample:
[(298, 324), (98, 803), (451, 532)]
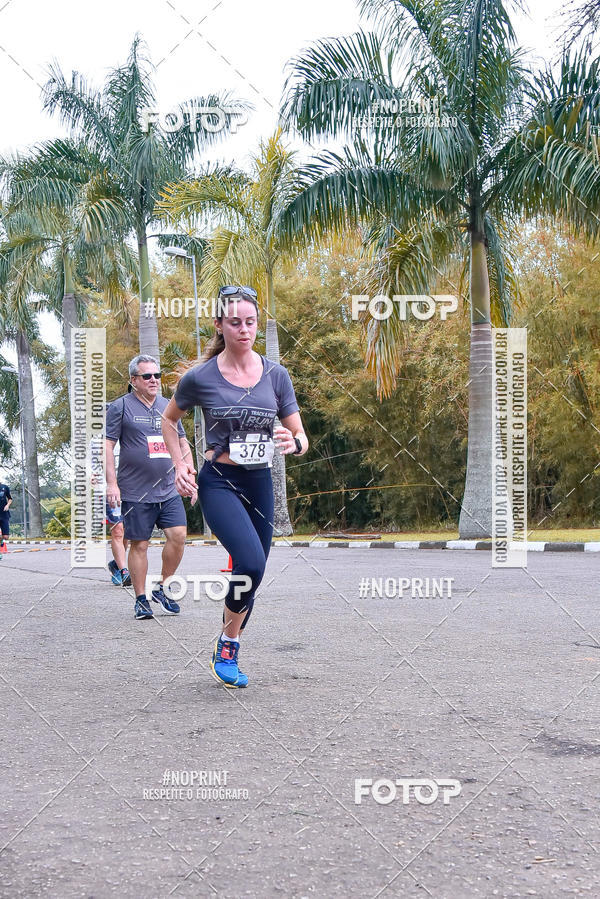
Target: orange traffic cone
[(3, 547), (229, 568)]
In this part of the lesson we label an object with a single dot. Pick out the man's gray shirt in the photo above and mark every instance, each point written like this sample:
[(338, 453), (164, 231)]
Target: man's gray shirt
[(146, 473)]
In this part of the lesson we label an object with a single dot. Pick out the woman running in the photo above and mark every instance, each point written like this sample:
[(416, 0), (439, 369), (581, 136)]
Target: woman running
[(240, 393)]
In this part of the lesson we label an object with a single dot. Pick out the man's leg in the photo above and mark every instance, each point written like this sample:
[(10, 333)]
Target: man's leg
[(4, 531), (117, 545), (139, 519), (172, 553), (171, 557), (138, 565), (172, 521)]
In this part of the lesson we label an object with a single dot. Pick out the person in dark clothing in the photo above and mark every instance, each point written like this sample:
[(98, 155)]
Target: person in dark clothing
[(5, 504)]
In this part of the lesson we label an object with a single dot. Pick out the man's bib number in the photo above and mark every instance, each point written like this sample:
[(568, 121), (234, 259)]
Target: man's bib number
[(250, 448), (157, 448)]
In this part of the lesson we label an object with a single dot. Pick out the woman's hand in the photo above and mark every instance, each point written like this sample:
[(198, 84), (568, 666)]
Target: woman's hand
[(284, 440)]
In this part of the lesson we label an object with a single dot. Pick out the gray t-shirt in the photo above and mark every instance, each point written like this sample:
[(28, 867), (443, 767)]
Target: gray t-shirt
[(146, 473), (228, 408)]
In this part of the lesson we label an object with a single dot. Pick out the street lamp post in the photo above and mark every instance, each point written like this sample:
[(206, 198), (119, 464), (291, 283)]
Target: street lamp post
[(199, 436), (181, 253), (14, 371)]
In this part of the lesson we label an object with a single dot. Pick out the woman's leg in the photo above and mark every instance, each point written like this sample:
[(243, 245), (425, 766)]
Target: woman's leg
[(226, 505), (258, 497)]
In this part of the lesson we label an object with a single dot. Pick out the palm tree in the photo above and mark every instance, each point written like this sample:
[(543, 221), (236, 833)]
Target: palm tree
[(76, 221), (428, 194), (17, 325), (9, 409), (245, 247), (138, 160)]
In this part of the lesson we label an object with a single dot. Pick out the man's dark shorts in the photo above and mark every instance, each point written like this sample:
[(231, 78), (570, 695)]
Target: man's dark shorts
[(139, 519), (5, 525)]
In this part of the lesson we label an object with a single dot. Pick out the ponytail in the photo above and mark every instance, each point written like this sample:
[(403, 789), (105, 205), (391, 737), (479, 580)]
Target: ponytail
[(215, 345)]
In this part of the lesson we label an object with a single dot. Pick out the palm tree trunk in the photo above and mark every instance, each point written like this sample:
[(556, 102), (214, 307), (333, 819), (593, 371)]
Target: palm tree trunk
[(281, 517), (69, 318), (148, 325), (476, 510), (29, 435)]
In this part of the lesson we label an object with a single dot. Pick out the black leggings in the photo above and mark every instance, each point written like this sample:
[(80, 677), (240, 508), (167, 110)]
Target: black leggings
[(237, 504)]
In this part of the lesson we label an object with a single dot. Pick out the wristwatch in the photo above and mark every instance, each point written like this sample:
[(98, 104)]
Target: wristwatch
[(298, 449)]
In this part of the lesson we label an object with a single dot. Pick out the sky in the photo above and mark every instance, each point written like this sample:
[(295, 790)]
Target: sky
[(197, 46)]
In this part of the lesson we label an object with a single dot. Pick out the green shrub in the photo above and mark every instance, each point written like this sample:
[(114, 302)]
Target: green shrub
[(60, 524)]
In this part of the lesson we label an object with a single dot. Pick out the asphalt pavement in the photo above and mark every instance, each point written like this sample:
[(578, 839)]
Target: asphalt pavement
[(128, 771)]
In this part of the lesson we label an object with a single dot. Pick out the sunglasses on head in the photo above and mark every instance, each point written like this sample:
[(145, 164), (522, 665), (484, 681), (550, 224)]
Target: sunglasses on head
[(149, 374), (230, 289)]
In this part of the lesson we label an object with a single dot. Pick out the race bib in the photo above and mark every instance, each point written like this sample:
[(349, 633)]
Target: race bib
[(251, 448), (157, 448)]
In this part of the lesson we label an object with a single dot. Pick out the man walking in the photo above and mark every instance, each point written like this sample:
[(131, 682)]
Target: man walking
[(5, 504), (145, 485)]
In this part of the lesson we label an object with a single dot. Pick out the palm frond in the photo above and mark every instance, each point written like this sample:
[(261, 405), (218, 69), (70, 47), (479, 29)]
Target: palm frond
[(207, 120), (221, 192), (334, 82), (233, 257), (128, 90), (80, 107), (410, 264), (338, 193)]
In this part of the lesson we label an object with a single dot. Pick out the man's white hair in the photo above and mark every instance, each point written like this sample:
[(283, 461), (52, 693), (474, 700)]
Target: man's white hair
[(143, 357)]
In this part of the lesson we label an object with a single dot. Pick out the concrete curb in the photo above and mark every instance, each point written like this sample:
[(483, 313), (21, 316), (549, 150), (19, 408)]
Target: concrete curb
[(532, 546)]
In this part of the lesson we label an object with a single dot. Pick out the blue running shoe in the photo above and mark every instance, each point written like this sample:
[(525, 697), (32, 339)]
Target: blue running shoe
[(117, 577), (142, 609), (126, 577), (224, 664), (169, 605)]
